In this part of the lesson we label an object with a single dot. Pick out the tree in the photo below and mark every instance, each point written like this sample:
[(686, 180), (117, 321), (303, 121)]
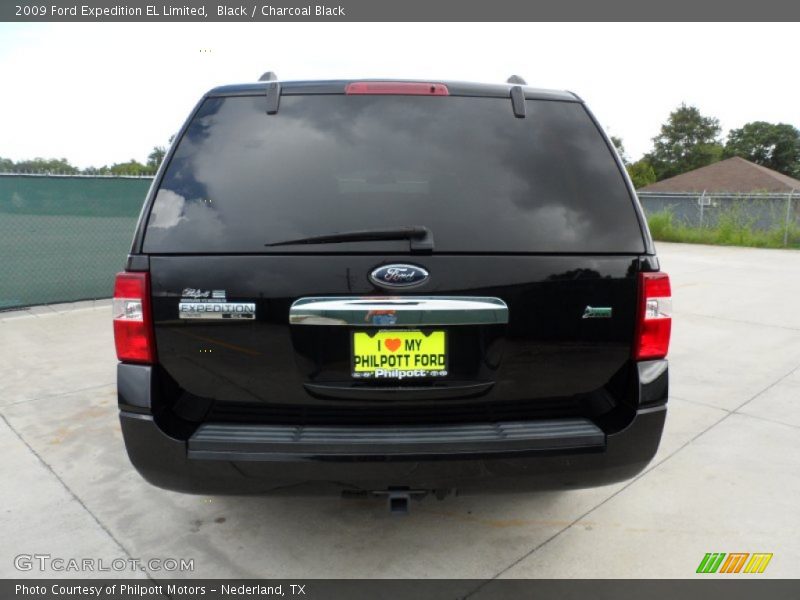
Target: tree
[(687, 141), (156, 156), (6, 165), (132, 167), (104, 170), (776, 146), (617, 141), (641, 173), (46, 165)]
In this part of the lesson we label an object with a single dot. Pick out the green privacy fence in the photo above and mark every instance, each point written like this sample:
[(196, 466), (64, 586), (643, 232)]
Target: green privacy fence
[(62, 238)]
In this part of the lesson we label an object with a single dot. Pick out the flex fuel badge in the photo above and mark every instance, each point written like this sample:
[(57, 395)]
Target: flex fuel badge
[(213, 304), (597, 312)]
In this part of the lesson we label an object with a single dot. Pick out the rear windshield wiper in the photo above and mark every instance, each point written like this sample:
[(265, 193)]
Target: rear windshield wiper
[(420, 238)]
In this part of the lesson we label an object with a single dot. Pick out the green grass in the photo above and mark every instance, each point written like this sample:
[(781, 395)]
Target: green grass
[(731, 229)]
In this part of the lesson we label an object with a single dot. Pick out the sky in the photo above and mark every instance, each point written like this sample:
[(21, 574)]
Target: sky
[(100, 93)]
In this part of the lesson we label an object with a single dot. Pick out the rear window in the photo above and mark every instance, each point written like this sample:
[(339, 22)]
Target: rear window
[(480, 179)]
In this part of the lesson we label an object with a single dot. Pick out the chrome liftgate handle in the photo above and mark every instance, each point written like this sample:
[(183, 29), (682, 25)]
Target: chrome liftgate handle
[(398, 311)]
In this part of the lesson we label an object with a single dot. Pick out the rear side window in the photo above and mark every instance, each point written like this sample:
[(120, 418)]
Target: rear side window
[(480, 179)]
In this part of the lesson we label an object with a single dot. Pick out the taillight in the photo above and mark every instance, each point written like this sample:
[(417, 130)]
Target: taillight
[(404, 88), (133, 323), (654, 318)]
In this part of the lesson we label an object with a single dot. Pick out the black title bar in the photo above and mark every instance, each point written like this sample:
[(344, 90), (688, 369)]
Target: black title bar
[(730, 588), (398, 10)]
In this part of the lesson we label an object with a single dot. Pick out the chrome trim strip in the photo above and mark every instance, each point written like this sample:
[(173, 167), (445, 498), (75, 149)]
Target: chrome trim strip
[(398, 311)]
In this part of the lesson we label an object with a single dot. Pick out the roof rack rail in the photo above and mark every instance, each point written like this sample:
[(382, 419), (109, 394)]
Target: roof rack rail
[(517, 80), (268, 76)]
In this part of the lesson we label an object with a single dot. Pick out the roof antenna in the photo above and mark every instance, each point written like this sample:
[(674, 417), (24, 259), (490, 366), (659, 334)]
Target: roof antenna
[(516, 80), (268, 76)]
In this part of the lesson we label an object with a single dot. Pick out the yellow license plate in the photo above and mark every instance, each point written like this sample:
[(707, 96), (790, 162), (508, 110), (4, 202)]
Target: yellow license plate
[(399, 354)]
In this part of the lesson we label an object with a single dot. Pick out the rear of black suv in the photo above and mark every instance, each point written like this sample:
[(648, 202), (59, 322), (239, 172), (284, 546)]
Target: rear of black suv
[(391, 287)]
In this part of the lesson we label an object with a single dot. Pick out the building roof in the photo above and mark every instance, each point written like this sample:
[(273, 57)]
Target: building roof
[(733, 175)]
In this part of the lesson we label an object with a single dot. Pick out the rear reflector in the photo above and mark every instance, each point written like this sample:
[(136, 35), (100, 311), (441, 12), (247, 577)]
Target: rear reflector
[(404, 88), (133, 323), (654, 319)]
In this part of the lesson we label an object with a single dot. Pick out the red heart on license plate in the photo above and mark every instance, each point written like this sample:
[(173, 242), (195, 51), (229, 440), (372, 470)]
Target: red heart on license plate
[(392, 344)]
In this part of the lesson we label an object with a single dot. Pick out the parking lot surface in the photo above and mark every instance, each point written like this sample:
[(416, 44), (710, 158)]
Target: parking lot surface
[(726, 477)]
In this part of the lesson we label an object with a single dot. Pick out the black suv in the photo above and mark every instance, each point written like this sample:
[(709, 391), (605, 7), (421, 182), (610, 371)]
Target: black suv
[(391, 287)]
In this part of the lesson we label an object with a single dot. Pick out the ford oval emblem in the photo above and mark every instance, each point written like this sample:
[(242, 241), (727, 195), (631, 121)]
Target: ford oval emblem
[(398, 275)]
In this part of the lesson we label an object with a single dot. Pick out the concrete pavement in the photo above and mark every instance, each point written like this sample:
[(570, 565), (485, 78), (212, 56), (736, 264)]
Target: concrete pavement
[(726, 477)]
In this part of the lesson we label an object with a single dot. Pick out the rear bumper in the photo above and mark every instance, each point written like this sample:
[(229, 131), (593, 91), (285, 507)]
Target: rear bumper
[(166, 462), (475, 458)]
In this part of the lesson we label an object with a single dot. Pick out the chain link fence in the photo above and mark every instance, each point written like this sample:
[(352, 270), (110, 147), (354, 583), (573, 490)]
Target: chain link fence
[(774, 216), (62, 238)]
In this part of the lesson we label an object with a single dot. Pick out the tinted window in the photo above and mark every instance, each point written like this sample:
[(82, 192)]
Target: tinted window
[(479, 178)]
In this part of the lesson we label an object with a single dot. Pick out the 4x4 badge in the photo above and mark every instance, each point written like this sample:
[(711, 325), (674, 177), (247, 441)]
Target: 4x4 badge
[(398, 275)]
